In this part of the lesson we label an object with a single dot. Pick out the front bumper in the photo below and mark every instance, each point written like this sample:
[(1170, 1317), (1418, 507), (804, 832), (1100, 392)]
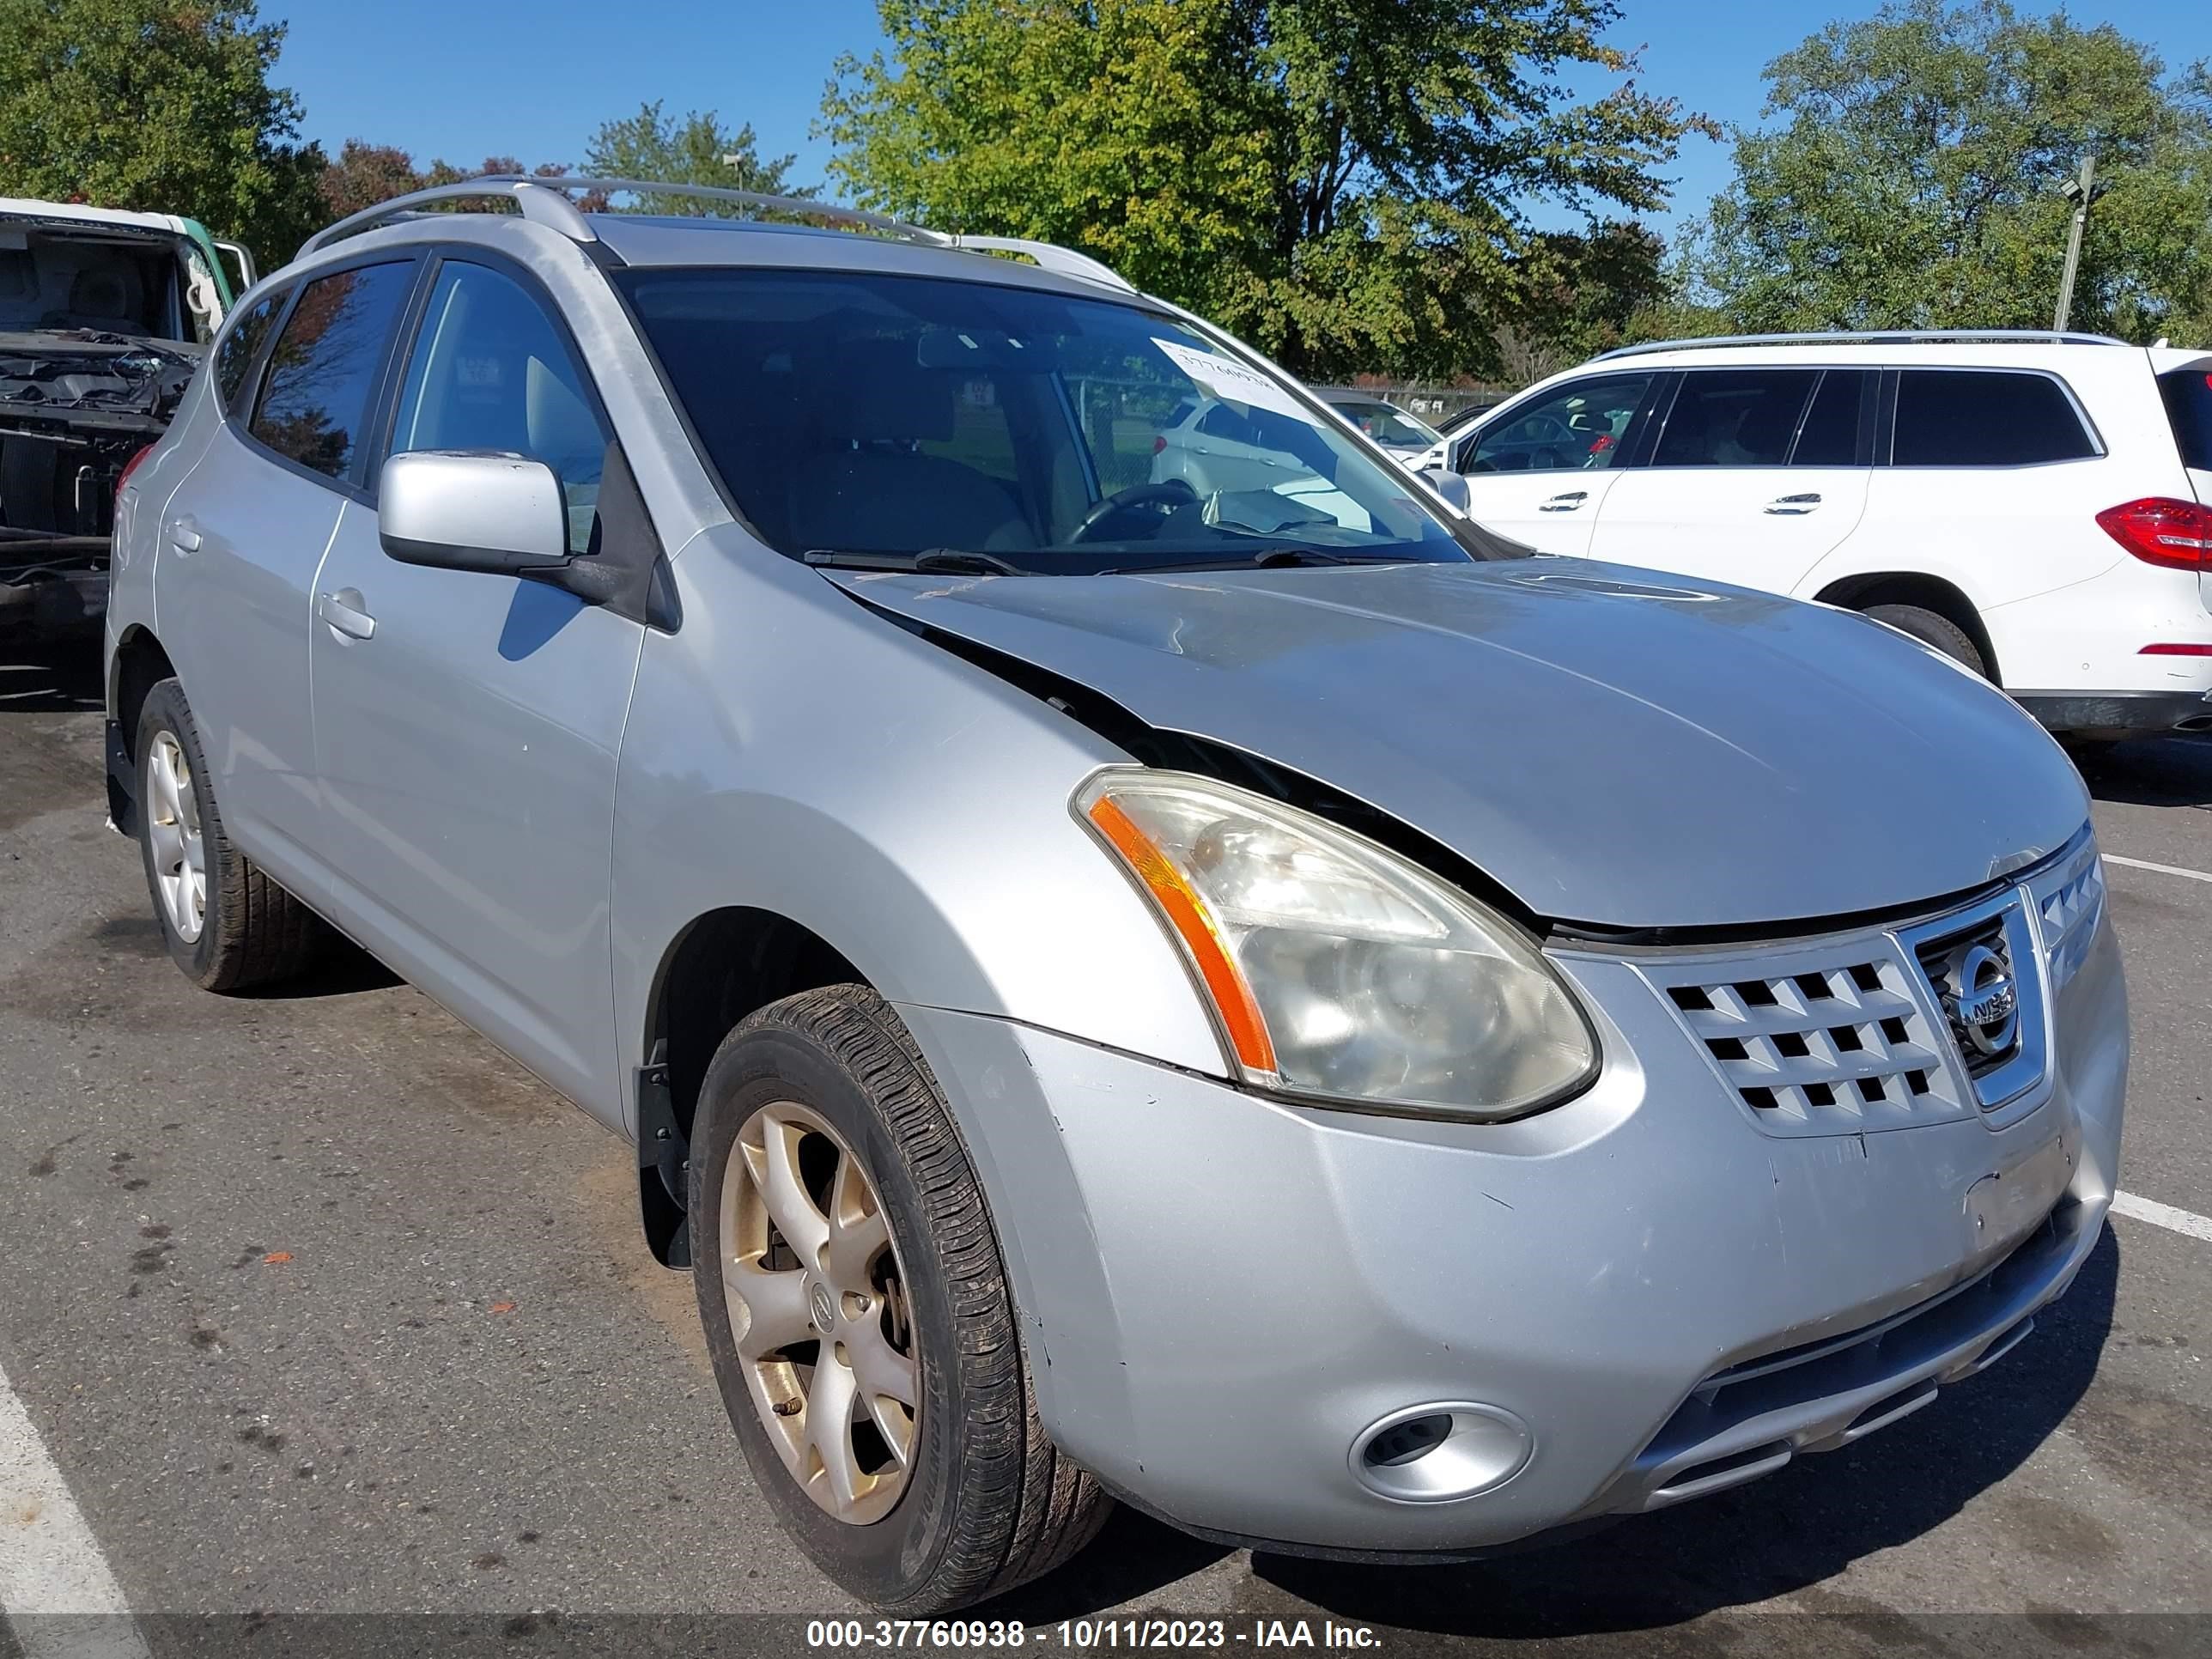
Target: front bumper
[(1219, 1293)]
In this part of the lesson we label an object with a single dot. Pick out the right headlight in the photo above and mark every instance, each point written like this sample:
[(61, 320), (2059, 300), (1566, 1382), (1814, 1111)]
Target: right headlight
[(1336, 969)]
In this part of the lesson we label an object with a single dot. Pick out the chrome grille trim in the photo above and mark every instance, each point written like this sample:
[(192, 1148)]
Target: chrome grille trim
[(1848, 1033)]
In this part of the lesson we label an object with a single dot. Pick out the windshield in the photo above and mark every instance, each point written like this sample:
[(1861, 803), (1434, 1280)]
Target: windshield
[(1387, 424), (58, 276), (862, 416)]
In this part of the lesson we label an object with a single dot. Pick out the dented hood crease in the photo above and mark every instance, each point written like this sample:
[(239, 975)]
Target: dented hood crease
[(1616, 749)]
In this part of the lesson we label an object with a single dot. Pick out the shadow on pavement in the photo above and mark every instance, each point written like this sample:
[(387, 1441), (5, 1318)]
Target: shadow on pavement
[(2164, 772), (39, 678)]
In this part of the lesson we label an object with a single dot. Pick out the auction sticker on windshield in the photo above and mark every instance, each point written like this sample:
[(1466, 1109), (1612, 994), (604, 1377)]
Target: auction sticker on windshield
[(1233, 383)]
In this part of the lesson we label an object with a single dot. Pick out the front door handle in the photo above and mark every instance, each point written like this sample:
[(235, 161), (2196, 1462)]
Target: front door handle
[(1793, 506), (342, 611), (1567, 504), (185, 535)]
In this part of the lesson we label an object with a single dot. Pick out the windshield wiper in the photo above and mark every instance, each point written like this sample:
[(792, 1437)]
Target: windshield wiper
[(952, 559)]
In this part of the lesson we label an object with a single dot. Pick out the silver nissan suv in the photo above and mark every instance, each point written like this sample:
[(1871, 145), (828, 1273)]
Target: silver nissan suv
[(1228, 987)]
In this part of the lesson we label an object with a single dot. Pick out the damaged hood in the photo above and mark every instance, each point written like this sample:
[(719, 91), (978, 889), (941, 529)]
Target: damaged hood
[(1616, 749), (91, 377)]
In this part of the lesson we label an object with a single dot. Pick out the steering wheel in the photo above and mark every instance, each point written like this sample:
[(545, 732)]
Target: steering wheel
[(1171, 493)]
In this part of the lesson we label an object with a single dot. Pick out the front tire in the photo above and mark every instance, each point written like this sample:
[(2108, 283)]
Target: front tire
[(228, 925), (862, 1332)]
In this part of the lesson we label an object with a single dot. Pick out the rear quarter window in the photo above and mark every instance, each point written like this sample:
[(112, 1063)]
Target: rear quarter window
[(2188, 394), (1974, 417), (235, 355)]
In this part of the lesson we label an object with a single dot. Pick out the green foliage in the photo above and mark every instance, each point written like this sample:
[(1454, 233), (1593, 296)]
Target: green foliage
[(697, 150), (1912, 180), (159, 106), (1343, 181)]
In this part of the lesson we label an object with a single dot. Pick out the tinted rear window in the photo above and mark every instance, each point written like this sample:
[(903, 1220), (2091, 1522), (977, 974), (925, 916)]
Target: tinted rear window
[(2188, 394), (1971, 417), (323, 368)]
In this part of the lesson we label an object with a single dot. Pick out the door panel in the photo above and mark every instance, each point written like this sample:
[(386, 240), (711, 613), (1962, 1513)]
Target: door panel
[(1764, 528), (238, 547), (467, 747), (1540, 470), (466, 725)]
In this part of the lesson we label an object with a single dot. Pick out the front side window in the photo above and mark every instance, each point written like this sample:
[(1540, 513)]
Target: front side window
[(323, 368), (490, 371), (1986, 417), (1736, 417), (857, 413), (235, 355), (1579, 427)]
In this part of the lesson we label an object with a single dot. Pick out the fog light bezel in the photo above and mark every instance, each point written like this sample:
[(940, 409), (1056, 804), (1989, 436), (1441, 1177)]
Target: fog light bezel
[(1485, 1446)]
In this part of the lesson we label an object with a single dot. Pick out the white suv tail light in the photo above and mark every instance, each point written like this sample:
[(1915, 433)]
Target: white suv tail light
[(2160, 529)]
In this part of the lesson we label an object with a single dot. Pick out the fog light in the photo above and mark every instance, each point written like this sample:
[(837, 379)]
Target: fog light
[(1438, 1452)]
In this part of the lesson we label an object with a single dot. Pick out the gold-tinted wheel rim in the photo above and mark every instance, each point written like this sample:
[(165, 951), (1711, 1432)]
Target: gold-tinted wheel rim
[(819, 1307)]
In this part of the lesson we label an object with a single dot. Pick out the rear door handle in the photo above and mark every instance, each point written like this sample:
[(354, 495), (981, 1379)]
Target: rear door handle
[(342, 611), (1567, 504), (185, 535), (1793, 506)]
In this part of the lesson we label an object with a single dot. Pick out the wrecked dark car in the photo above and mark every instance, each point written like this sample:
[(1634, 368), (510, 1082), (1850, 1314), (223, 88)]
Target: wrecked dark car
[(104, 315)]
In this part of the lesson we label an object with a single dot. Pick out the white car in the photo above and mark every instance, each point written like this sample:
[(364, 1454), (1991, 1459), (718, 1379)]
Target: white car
[(2036, 506)]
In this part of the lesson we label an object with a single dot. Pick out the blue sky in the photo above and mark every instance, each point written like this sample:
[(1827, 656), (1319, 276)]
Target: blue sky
[(533, 80)]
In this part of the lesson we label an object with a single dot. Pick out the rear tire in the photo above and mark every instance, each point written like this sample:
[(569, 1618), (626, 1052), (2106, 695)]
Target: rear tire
[(228, 925), (1942, 632), (984, 1501)]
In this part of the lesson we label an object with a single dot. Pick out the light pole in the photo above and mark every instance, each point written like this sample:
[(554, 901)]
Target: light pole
[(2081, 189)]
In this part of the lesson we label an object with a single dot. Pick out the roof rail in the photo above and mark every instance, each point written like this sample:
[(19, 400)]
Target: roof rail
[(545, 207), (1872, 336), (544, 200), (1050, 255)]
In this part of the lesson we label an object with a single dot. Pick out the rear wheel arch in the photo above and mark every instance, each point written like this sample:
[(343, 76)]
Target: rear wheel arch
[(1923, 591), (140, 664)]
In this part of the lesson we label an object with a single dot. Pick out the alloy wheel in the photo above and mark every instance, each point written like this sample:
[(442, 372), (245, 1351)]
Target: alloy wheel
[(817, 1305), (172, 819)]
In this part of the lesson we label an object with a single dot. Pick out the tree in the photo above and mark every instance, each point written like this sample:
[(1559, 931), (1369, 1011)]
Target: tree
[(1911, 180), (364, 174), (156, 105), (697, 150), (1346, 182)]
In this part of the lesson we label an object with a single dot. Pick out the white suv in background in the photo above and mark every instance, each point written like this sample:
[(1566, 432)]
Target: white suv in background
[(2038, 507)]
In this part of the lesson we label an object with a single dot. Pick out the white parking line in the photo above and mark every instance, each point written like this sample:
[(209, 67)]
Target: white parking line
[(53, 1575), (2162, 869), (2163, 1215)]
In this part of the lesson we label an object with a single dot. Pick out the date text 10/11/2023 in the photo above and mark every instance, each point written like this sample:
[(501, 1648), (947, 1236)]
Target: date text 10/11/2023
[(1085, 1634)]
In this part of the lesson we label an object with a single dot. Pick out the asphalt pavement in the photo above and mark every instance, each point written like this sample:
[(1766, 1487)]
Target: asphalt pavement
[(332, 1325)]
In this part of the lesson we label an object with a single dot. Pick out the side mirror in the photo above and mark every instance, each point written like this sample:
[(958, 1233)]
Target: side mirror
[(484, 510), (1450, 485)]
